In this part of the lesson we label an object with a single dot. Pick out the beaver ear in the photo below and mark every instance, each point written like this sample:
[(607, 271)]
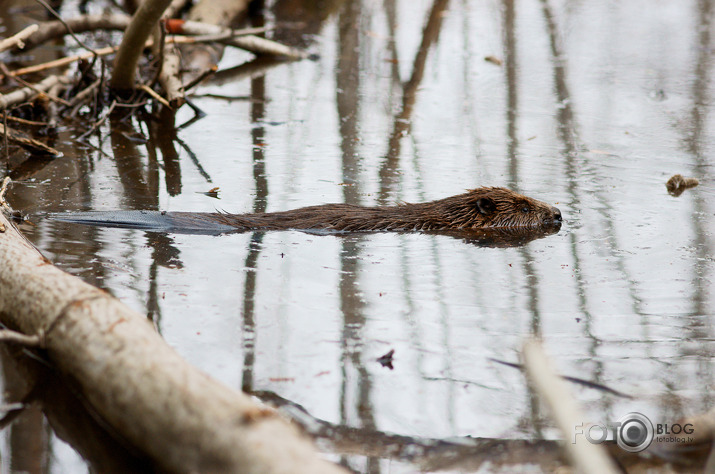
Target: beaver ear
[(486, 205)]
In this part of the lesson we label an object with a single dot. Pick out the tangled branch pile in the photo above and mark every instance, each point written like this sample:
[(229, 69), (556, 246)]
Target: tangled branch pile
[(159, 59)]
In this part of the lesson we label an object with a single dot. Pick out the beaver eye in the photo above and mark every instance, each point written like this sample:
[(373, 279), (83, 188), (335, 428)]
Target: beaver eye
[(525, 209)]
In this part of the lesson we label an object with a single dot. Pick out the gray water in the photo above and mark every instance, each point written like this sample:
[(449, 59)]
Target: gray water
[(595, 105)]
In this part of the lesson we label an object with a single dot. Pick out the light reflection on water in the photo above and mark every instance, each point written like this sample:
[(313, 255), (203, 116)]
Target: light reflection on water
[(621, 295)]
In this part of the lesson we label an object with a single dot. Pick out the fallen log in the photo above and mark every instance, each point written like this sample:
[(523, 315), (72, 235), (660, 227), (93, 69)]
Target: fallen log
[(183, 419)]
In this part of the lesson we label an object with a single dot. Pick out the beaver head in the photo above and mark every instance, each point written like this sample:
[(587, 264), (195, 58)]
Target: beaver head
[(493, 207)]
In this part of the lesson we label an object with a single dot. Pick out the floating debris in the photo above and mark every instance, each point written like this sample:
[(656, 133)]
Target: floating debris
[(213, 192), (493, 60), (386, 360), (677, 184)]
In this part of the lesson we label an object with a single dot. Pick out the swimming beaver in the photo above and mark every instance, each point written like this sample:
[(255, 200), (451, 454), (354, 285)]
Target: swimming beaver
[(480, 208)]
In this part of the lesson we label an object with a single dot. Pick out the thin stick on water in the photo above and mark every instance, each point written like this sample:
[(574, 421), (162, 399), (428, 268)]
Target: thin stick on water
[(585, 457)]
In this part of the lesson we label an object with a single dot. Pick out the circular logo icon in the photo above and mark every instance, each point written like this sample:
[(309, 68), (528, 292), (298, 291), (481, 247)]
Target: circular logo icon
[(635, 432)]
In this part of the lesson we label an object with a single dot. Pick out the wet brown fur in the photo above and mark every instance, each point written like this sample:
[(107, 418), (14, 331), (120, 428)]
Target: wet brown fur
[(479, 208)]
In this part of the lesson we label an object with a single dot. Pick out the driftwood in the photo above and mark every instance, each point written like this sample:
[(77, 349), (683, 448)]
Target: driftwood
[(184, 420)]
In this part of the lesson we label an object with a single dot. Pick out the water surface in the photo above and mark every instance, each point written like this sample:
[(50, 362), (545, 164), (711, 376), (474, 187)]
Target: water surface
[(593, 107)]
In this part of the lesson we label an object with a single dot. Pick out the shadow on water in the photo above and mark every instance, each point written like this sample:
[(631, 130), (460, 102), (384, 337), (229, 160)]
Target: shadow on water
[(248, 321), (389, 171), (355, 399), (30, 382)]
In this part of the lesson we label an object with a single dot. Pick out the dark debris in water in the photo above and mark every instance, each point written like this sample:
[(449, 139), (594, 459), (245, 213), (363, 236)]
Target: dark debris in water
[(213, 192), (677, 184), (386, 359)]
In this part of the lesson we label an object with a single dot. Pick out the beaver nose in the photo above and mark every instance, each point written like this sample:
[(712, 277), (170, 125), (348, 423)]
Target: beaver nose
[(557, 214)]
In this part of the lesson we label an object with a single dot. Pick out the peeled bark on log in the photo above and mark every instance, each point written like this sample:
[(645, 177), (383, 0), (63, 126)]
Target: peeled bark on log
[(169, 74), (199, 58), (183, 419)]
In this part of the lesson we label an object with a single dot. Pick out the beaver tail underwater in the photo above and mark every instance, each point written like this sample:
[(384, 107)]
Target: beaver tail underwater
[(477, 209)]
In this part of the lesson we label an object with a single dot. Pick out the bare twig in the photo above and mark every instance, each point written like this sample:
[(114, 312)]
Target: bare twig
[(25, 93), (6, 335), (248, 42), (18, 40), (173, 39), (85, 93), (576, 380), (99, 122), (158, 50), (168, 71), (5, 140), (32, 123), (52, 92), (154, 95), (196, 81), (62, 61), (169, 77), (55, 29)]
